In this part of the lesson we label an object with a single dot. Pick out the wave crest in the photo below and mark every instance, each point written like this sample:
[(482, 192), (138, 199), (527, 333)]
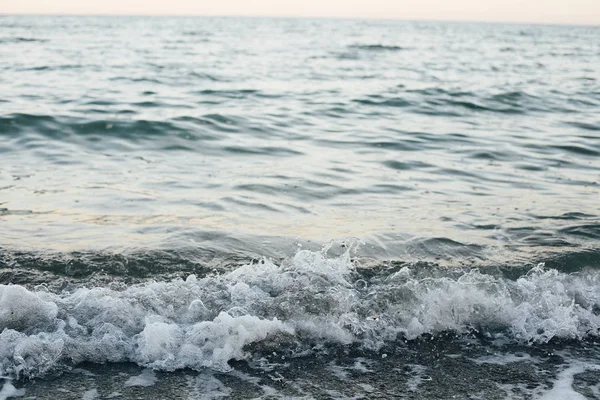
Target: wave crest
[(305, 301)]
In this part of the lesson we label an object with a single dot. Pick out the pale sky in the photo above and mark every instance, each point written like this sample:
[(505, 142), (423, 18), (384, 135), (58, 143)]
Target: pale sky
[(537, 11)]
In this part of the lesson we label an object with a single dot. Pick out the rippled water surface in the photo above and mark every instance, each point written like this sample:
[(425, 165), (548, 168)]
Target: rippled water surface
[(166, 132), (156, 148)]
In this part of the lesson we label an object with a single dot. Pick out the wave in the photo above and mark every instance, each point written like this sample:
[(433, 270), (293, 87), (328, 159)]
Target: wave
[(306, 301), (584, 125), (21, 40), (378, 101), (231, 94), (437, 101), (60, 127), (376, 47), (203, 133)]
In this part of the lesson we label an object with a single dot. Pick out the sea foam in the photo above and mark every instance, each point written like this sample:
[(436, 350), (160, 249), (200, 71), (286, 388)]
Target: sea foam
[(307, 300)]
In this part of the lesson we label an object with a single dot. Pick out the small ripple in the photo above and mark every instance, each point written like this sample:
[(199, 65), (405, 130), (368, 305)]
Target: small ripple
[(567, 216), (210, 206), (376, 47), (55, 67), (229, 94), (196, 33), (461, 172), (584, 125), (266, 150), (259, 188), (473, 106), (486, 155), (18, 39), (10, 212), (204, 76), (511, 98), (29, 127), (14, 123), (589, 231), (136, 79), (444, 248), (398, 146), (99, 103), (530, 167), (405, 166), (440, 92), (177, 147), (388, 189), (251, 204), (218, 122), (392, 102), (122, 129), (439, 101), (581, 150)]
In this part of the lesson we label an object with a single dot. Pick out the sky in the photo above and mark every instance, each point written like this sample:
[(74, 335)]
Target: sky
[(536, 11)]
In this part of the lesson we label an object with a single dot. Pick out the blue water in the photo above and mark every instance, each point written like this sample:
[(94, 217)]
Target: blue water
[(402, 179)]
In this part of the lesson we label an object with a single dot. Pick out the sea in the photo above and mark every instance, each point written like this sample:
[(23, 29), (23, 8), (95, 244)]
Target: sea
[(279, 208)]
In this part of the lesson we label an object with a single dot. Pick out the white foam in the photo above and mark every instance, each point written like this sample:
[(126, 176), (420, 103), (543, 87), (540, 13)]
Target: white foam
[(200, 323), (366, 387), (8, 391), (337, 395), (90, 394), (277, 377), (362, 365), (207, 387), (503, 359), (23, 310), (269, 391), (562, 388), (246, 377), (145, 379), (266, 365), (596, 390), (417, 377)]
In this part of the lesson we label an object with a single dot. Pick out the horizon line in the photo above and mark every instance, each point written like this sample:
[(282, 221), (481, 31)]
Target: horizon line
[(358, 18)]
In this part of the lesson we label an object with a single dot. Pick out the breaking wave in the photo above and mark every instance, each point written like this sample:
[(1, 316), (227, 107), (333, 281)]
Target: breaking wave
[(309, 300)]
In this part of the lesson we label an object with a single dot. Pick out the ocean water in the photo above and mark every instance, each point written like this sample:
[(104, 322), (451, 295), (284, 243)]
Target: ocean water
[(203, 208)]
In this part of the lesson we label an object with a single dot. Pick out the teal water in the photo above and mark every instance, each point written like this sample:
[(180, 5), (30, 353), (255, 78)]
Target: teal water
[(180, 193)]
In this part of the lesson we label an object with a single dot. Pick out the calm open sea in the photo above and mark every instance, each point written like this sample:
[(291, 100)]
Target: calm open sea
[(205, 208)]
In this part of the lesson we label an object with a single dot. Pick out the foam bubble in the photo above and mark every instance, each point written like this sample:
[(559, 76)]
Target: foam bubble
[(145, 379), (207, 387), (205, 344), (503, 359), (562, 388), (8, 391), (90, 394), (338, 371), (309, 299), (23, 310), (417, 377), (366, 387)]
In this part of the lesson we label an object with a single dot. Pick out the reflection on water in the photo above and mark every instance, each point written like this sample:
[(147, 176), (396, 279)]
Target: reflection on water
[(161, 131)]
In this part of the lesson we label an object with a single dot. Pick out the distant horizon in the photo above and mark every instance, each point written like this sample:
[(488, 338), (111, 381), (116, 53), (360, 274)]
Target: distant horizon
[(333, 17), (547, 12)]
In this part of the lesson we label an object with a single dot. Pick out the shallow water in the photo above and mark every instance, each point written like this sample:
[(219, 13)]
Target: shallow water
[(181, 193)]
